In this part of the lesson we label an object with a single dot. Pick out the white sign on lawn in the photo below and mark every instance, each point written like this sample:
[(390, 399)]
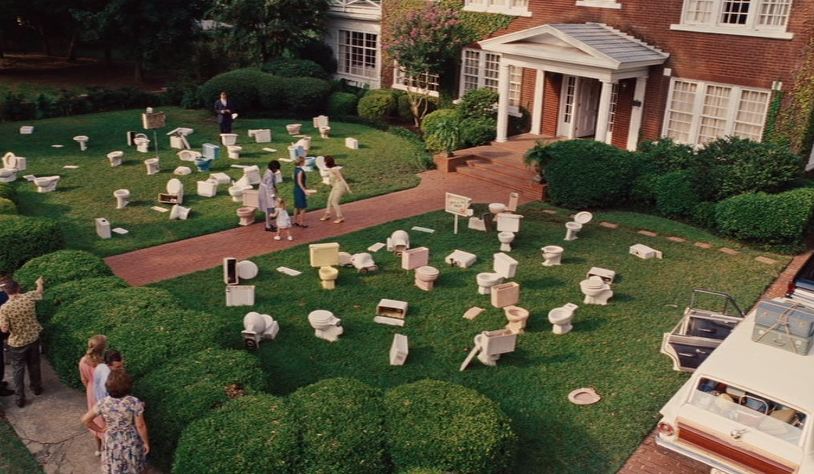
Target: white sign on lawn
[(457, 205)]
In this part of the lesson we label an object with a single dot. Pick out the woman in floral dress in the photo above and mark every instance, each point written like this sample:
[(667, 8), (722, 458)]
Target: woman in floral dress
[(126, 442)]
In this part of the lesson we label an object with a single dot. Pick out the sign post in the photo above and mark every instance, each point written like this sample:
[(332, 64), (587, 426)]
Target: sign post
[(458, 206)]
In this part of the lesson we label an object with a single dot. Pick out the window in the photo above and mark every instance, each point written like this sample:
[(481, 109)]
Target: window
[(614, 101), (599, 3), (767, 18), (698, 112), (358, 53), (481, 69), (425, 83), (506, 7)]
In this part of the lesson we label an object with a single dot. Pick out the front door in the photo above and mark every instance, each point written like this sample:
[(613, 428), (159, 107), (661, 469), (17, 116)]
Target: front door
[(587, 105)]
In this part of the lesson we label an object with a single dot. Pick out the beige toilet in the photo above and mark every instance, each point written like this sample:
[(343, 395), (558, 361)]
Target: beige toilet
[(518, 318), (596, 291), (122, 198), (504, 266), (228, 139), (152, 166), (552, 255), (326, 325), (234, 151), (325, 257), (82, 140), (115, 158), (179, 213), (425, 277), (46, 184), (246, 215), (572, 228), (561, 318)]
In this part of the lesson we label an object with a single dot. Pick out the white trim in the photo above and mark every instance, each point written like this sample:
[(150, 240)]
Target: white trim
[(733, 30), (514, 110), (503, 102), (362, 26), (399, 72), (537, 104), (599, 4), (635, 124), (487, 7)]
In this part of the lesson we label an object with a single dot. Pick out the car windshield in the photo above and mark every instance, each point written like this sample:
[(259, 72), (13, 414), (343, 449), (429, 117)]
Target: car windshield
[(751, 410)]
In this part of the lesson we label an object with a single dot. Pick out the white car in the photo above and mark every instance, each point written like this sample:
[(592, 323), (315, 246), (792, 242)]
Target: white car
[(747, 408)]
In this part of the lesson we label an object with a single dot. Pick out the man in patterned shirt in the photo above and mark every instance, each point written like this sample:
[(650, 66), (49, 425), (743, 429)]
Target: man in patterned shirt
[(18, 317)]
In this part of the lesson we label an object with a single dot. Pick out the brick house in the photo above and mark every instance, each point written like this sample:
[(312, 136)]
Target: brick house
[(626, 70)]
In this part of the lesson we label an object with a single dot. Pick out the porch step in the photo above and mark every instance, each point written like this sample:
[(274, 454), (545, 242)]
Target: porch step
[(522, 184), (503, 167)]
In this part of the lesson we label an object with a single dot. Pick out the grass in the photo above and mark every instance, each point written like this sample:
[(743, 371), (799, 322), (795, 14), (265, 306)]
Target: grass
[(614, 348), (14, 456), (384, 163)]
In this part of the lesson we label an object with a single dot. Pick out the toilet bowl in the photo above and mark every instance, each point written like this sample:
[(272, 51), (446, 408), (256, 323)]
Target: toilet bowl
[(293, 128), (179, 213), (236, 192), (324, 132), (14, 163), (152, 166), (234, 151), (46, 184), (182, 171), (363, 262), (425, 277), (572, 228), (142, 143), (83, 141), (122, 198), (228, 139), (246, 215), (304, 143), (552, 255), (174, 194), (497, 207), (506, 239), (345, 259), (596, 291), (504, 267), (7, 175), (188, 155), (208, 188), (115, 158), (326, 325), (561, 318), (328, 276), (517, 317), (398, 242)]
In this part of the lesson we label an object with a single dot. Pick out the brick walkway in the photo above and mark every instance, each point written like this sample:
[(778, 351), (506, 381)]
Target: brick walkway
[(163, 262)]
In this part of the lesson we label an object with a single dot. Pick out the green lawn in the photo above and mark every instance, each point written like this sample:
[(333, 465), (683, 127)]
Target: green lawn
[(614, 349), (384, 163), (14, 457)]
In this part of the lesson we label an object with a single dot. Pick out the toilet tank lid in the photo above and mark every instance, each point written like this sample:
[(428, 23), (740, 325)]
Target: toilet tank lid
[(583, 217), (174, 186), (503, 256)]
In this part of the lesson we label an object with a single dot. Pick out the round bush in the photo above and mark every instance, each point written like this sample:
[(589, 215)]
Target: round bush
[(7, 191), (440, 425), (767, 218), (306, 95), (56, 296), (7, 206), (240, 84), (60, 267), (254, 434), (24, 238), (663, 156), (704, 215), (271, 91), (403, 107), (187, 388), (316, 50), (286, 67), (342, 424), (477, 131), (376, 106), (342, 104), (66, 334), (164, 335), (432, 119), (674, 194), (588, 174), (479, 103)]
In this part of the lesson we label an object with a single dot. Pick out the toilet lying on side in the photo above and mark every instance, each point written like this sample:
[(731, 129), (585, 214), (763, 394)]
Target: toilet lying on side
[(174, 194), (504, 267), (46, 184)]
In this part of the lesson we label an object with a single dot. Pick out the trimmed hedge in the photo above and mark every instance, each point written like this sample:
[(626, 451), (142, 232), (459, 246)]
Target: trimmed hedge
[(24, 238), (432, 119), (164, 335), (663, 156), (479, 103), (240, 84), (440, 425), (305, 95), (588, 174), (287, 67), (477, 131), (56, 296), (342, 103), (376, 106), (767, 218), (342, 424), (60, 267), (187, 388), (7, 206), (674, 194), (7, 191), (250, 435), (271, 92)]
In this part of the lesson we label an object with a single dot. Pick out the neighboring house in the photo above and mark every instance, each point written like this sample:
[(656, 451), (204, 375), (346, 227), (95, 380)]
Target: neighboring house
[(354, 33)]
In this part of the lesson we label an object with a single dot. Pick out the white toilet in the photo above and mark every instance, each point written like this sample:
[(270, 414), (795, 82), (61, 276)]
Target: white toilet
[(7, 175), (179, 213), (234, 151), (46, 184), (497, 207), (552, 255), (326, 325), (561, 318), (152, 166), (572, 228), (188, 155), (174, 194), (596, 291), (208, 188), (506, 239), (82, 140), (13, 162), (142, 143), (115, 158), (504, 266), (236, 192), (398, 242), (228, 138), (246, 215), (252, 174), (425, 277), (122, 198)]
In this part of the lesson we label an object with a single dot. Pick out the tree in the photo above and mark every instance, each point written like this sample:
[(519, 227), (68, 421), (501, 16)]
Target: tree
[(423, 45), (267, 28)]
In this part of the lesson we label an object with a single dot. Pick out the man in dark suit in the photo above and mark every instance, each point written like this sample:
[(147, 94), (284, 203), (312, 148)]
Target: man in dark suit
[(224, 109)]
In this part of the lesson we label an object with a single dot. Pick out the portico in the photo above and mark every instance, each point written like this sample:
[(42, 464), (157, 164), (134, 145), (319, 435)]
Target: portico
[(591, 62)]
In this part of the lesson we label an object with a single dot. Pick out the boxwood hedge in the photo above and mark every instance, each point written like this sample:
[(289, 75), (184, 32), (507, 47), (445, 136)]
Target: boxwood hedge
[(252, 434), (56, 296), (60, 267), (440, 425), (768, 218), (240, 84), (342, 424), (7, 206), (341, 104), (306, 95), (23, 238), (377, 106), (7, 191)]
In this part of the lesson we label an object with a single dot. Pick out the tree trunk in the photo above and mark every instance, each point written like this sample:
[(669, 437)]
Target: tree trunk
[(72, 46)]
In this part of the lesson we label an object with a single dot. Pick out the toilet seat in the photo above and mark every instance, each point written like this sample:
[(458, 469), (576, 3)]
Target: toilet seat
[(427, 272), (583, 217), (246, 269), (584, 396), (174, 186)]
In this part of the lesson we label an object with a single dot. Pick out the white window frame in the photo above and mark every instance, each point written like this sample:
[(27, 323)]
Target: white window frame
[(503, 7), (350, 46), (400, 79), (731, 113), (600, 4), (752, 27), (515, 88)]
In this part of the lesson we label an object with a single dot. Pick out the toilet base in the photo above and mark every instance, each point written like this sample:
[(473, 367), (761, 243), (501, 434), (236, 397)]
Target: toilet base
[(562, 328), (121, 203), (247, 220), (424, 285), (486, 359), (505, 247), (597, 300), (328, 284), (484, 290), (570, 235), (552, 262)]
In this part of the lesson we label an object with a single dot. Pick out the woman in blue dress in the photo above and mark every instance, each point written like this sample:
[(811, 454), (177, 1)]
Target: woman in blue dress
[(300, 193)]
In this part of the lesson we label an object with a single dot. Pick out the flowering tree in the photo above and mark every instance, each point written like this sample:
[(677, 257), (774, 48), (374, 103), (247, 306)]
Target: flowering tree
[(422, 44)]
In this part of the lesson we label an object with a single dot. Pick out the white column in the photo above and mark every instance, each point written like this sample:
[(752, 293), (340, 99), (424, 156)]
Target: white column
[(636, 113), (503, 103), (537, 106), (603, 114)]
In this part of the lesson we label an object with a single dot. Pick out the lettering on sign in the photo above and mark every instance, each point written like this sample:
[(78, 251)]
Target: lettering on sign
[(458, 205)]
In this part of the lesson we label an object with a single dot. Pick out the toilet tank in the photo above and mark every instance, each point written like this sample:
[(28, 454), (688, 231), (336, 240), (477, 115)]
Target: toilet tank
[(505, 265)]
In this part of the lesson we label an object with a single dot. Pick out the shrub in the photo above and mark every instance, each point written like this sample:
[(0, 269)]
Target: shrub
[(187, 388), (319, 52), (445, 135), (376, 106), (744, 166), (7, 206), (60, 267), (271, 92), (478, 103), (403, 108), (430, 122), (23, 238), (56, 296), (240, 84), (704, 215), (342, 103), (289, 67), (342, 424), (434, 424), (477, 131), (663, 156), (587, 173), (254, 434), (674, 194), (66, 335), (7, 191), (306, 95), (767, 218)]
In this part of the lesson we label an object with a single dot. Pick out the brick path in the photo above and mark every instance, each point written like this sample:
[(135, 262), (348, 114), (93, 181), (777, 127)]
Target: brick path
[(150, 265)]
